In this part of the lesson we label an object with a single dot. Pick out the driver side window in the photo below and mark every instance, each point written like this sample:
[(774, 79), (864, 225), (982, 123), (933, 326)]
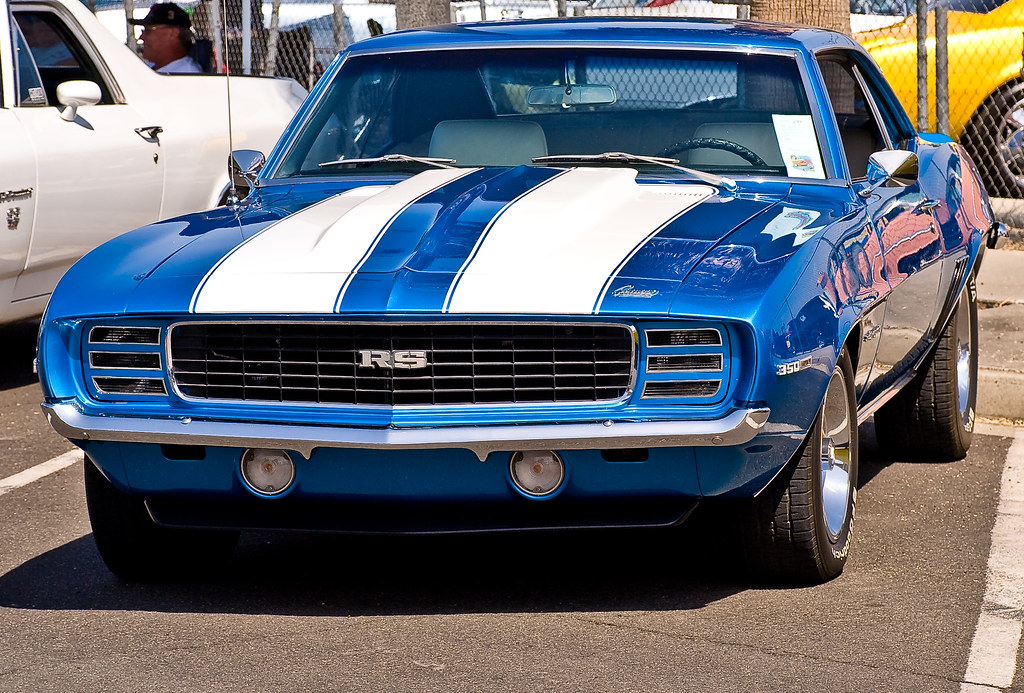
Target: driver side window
[(30, 86), (855, 113), (56, 52)]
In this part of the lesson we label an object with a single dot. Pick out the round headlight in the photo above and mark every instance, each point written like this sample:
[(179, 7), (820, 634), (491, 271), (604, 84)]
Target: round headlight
[(267, 472), (537, 472)]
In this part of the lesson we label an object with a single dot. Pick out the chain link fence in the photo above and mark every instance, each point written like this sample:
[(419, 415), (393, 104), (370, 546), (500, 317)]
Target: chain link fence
[(973, 91)]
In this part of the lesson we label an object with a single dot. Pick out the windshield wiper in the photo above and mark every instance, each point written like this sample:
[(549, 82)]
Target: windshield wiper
[(392, 159), (626, 158)]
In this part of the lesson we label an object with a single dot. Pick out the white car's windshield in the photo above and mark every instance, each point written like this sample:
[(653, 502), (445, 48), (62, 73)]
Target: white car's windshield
[(720, 112)]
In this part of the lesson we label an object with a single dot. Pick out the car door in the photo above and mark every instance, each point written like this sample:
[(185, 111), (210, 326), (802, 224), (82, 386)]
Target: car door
[(902, 219), (97, 177), (17, 177)]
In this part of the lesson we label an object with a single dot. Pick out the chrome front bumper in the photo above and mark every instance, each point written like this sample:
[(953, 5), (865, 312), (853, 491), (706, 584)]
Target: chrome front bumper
[(734, 429)]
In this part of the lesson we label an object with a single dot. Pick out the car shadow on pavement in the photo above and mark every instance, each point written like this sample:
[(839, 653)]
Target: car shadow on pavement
[(333, 575), (19, 347)]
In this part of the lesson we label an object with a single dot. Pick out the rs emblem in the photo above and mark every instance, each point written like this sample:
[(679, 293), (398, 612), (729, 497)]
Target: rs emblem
[(383, 358)]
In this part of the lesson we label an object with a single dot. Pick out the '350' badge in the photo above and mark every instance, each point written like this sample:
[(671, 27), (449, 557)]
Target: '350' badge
[(793, 367)]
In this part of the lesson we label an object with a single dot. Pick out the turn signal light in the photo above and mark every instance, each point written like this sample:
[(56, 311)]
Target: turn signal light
[(267, 472), (537, 473)]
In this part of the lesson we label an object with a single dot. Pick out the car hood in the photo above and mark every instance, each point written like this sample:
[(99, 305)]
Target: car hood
[(525, 240)]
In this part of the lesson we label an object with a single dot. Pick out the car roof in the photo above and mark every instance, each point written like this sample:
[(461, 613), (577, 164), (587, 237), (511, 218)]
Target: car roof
[(642, 32)]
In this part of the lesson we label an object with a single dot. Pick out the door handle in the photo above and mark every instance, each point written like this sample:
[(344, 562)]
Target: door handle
[(926, 205), (149, 132)]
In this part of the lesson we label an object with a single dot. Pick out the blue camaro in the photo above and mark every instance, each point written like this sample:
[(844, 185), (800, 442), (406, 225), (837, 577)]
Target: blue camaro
[(529, 275)]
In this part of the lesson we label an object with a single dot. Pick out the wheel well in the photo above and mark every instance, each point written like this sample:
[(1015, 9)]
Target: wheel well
[(852, 345)]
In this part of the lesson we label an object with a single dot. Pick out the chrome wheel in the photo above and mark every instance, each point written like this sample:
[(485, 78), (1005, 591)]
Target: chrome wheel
[(964, 371), (1011, 141), (801, 526), (836, 459)]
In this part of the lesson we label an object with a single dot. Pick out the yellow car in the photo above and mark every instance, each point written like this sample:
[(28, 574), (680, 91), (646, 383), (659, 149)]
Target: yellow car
[(986, 92)]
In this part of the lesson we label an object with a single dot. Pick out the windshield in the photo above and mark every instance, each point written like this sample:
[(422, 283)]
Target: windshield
[(720, 112)]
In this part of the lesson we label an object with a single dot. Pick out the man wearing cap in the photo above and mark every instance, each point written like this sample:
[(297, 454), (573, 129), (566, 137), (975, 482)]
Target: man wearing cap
[(167, 38)]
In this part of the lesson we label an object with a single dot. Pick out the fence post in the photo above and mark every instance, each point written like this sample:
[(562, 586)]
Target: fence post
[(922, 65), (247, 37), (129, 13), (217, 30), (341, 26), (275, 23), (941, 70)]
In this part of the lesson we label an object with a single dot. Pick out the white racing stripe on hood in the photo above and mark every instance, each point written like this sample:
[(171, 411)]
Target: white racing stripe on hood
[(554, 249), (301, 263)]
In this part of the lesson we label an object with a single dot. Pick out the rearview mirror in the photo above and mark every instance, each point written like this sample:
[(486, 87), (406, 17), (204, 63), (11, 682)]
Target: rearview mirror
[(571, 95), (75, 93)]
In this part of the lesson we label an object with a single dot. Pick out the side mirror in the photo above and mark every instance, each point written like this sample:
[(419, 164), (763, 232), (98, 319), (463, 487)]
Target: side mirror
[(893, 168), (77, 92), (245, 165)]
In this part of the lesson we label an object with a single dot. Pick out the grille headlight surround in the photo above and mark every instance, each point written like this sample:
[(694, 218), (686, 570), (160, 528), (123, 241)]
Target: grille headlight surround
[(124, 362), (687, 364)]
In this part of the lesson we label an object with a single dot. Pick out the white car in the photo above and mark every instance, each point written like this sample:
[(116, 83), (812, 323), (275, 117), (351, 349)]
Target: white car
[(94, 143)]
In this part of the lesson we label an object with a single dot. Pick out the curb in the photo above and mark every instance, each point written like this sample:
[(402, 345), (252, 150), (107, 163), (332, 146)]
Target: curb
[(999, 394)]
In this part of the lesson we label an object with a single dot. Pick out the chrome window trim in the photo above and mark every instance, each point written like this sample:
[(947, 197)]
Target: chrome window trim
[(270, 170), (159, 358), (626, 396)]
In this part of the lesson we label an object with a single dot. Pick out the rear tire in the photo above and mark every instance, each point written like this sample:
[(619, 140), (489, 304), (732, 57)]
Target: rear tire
[(933, 415), (800, 528), (137, 549)]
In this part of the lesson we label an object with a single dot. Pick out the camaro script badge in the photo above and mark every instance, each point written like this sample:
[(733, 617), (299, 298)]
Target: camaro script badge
[(383, 358), (631, 291)]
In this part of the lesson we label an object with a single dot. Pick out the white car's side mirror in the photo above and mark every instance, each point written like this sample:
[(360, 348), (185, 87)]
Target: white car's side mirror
[(78, 92)]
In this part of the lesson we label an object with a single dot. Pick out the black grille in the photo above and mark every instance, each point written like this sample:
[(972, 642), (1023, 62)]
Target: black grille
[(466, 363)]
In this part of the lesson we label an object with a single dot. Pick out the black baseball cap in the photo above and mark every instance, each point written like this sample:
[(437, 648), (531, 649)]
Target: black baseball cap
[(164, 13)]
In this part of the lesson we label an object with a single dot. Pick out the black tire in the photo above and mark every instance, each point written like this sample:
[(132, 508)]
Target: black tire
[(137, 549), (995, 142), (797, 529), (933, 415)]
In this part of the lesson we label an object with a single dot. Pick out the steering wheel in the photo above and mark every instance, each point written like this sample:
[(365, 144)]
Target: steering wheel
[(739, 150)]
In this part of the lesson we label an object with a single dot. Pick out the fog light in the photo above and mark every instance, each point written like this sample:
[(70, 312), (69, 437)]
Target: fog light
[(537, 472), (267, 472)]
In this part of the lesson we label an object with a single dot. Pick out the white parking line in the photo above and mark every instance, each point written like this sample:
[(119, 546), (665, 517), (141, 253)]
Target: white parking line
[(39, 471), (993, 658)]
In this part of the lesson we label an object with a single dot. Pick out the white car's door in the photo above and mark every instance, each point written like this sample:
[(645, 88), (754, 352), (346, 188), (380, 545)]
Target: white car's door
[(97, 175), (17, 177), (17, 202)]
